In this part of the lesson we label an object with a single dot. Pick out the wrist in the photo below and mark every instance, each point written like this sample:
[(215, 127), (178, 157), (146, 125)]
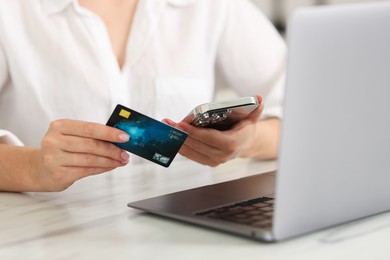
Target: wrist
[(18, 168), (250, 145), (264, 140), (34, 170)]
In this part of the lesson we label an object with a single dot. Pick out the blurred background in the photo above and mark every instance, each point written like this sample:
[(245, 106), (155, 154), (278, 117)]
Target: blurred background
[(279, 10)]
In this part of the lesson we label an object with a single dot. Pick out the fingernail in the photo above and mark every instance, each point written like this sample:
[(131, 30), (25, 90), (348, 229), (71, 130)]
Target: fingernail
[(124, 137), (125, 156), (181, 126), (168, 122)]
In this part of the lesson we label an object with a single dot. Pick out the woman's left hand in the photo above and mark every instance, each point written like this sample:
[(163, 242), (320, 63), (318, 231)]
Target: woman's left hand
[(214, 147)]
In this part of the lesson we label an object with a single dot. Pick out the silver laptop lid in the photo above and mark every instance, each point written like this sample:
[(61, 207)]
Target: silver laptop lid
[(335, 161)]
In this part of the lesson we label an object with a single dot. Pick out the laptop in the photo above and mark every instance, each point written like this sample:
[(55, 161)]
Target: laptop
[(334, 161)]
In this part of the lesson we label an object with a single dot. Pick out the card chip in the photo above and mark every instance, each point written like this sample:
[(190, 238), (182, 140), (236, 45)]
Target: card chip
[(124, 113)]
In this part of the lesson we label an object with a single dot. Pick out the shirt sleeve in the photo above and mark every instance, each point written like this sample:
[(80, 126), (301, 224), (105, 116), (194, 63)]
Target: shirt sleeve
[(6, 137), (252, 55), (3, 68)]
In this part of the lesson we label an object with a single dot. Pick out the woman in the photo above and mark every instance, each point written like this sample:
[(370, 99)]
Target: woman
[(65, 64)]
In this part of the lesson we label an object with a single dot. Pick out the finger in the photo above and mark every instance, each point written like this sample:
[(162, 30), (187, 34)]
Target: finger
[(253, 117), (259, 99), (90, 130), (197, 156), (218, 139), (255, 114), (202, 147), (194, 143), (81, 172), (89, 160), (216, 155), (169, 122), (77, 144), (196, 132)]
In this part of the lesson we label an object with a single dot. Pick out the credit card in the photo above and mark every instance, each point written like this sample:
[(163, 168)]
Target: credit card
[(149, 138)]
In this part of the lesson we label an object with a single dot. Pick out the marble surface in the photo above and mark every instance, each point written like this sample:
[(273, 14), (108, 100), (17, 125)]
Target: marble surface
[(90, 220)]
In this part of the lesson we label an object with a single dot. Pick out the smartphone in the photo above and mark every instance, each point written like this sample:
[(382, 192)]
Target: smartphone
[(222, 115)]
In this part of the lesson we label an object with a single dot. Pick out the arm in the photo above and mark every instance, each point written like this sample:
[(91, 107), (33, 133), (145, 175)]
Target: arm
[(251, 57), (70, 150), (17, 168)]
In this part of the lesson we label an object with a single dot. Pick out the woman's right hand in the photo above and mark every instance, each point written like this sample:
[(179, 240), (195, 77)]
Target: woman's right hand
[(72, 150)]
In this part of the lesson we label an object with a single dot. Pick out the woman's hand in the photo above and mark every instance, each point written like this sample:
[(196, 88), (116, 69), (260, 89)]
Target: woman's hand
[(73, 149), (213, 147)]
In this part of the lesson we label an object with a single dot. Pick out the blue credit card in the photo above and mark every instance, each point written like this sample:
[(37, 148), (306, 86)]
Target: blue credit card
[(149, 138)]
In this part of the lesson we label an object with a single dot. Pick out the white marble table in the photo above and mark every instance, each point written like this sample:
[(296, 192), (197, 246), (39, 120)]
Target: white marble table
[(90, 220)]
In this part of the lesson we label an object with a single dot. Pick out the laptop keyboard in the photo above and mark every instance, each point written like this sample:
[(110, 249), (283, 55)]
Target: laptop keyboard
[(255, 212)]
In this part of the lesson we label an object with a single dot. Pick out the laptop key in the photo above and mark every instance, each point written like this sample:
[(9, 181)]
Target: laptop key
[(255, 212)]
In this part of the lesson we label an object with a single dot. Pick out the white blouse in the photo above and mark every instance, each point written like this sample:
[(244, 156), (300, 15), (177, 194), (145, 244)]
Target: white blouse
[(56, 61)]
